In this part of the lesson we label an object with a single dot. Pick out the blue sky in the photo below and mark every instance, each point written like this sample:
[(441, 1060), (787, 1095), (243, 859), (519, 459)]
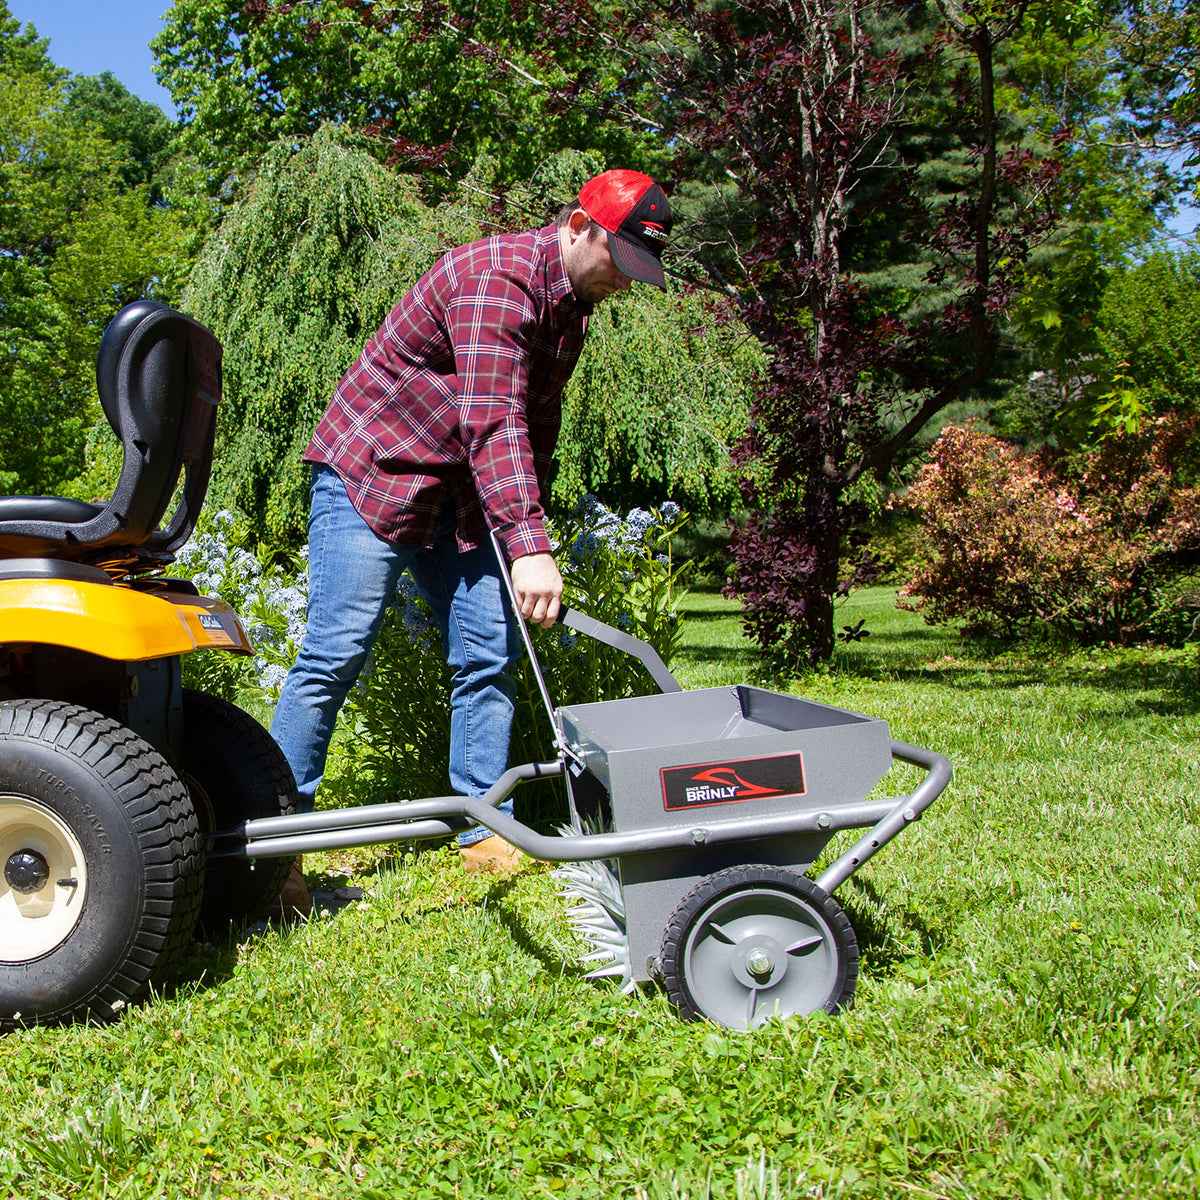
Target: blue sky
[(90, 36)]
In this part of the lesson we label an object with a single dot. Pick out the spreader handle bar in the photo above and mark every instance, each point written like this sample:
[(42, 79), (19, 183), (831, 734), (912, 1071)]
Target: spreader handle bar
[(526, 640), (907, 809), (402, 821), (635, 647)]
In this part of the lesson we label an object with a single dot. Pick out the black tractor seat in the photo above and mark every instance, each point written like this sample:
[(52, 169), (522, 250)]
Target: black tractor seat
[(159, 378), (48, 508)]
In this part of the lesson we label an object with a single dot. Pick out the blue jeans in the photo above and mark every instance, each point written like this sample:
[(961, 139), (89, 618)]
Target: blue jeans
[(353, 574)]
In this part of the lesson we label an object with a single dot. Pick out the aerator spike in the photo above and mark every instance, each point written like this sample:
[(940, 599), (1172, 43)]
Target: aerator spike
[(596, 912)]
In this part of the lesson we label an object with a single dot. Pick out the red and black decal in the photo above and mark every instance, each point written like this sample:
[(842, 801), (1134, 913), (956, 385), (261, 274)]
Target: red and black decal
[(732, 781)]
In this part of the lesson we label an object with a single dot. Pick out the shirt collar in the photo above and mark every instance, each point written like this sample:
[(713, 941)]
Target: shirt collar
[(562, 295)]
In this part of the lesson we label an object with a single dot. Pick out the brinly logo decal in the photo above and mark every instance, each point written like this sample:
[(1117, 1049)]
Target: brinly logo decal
[(731, 782)]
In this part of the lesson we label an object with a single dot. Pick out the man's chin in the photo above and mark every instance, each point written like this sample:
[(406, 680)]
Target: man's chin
[(596, 295)]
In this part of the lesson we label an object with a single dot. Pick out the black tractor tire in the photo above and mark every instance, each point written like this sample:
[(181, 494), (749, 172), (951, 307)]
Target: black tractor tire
[(101, 865), (235, 772)]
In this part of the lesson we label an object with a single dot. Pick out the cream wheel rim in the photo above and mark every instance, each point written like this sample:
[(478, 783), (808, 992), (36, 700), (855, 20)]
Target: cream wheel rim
[(43, 880)]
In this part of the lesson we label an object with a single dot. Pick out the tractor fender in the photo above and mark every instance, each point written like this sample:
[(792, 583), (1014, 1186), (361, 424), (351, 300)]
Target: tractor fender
[(116, 621)]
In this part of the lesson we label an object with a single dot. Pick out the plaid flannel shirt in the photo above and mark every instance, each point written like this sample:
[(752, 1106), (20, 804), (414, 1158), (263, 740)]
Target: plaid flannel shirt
[(457, 396)]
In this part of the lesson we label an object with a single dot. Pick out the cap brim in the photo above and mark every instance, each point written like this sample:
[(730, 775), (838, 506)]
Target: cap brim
[(636, 261)]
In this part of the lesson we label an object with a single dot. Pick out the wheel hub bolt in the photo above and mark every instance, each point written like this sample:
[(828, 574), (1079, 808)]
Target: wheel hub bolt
[(26, 872), (759, 962)]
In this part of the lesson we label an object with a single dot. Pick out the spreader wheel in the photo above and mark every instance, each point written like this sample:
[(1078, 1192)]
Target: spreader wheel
[(235, 772), (754, 942), (100, 864)]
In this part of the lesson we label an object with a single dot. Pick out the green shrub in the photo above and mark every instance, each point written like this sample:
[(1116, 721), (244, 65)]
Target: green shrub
[(1095, 546)]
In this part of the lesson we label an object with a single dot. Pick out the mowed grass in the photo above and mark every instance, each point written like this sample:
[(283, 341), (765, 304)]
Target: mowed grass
[(1026, 1020)]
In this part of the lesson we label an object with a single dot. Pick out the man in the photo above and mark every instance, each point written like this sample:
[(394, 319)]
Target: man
[(442, 428)]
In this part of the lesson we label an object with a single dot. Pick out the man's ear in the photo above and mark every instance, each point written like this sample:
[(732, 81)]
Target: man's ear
[(578, 224)]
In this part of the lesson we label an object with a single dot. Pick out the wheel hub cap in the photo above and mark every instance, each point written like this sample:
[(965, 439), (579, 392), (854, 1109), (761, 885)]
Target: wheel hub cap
[(43, 886), (26, 872), (757, 953), (760, 963)]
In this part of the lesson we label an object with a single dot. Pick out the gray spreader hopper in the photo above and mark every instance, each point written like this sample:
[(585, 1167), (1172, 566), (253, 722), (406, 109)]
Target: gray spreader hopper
[(695, 819), (745, 775), (723, 799)]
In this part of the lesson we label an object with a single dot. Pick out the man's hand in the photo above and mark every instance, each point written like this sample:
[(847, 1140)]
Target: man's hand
[(539, 588)]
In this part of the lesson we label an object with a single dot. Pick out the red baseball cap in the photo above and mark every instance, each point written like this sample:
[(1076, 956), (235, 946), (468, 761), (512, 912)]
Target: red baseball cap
[(633, 210)]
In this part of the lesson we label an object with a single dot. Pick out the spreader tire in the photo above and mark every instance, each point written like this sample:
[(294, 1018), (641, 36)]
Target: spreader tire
[(754, 942), (235, 772), (101, 864)]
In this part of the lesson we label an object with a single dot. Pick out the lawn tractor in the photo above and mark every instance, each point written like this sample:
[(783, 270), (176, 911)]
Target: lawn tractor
[(111, 772)]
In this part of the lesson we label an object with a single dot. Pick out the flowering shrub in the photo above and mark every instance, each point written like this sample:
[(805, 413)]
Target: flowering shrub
[(1093, 546), (619, 571), (271, 600)]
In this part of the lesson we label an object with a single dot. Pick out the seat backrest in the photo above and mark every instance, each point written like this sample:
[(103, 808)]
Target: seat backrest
[(159, 378)]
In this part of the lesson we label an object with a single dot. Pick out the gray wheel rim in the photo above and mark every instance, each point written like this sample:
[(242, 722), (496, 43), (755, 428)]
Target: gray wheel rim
[(38, 916), (759, 953)]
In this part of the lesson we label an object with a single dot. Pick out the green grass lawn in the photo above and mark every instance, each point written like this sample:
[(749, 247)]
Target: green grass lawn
[(1026, 1021)]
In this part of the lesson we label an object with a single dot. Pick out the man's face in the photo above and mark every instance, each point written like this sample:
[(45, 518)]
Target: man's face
[(590, 266)]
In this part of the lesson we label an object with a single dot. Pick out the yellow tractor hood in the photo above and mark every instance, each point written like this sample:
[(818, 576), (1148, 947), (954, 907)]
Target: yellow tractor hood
[(115, 621)]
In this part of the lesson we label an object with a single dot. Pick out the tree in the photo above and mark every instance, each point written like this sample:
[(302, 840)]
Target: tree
[(1073, 71), (352, 234), (438, 83), (1152, 56), (48, 173), (139, 131), (23, 53), (801, 106), (76, 242)]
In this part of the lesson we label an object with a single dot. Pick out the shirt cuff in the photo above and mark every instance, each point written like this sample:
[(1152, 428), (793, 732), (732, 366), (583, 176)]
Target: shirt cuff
[(526, 537)]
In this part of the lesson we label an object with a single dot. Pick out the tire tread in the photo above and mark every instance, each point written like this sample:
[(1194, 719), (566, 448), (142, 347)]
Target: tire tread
[(161, 814)]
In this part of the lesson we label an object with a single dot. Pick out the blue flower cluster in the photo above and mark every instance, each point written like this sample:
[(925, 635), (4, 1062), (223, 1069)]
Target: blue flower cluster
[(272, 602), (604, 530)]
